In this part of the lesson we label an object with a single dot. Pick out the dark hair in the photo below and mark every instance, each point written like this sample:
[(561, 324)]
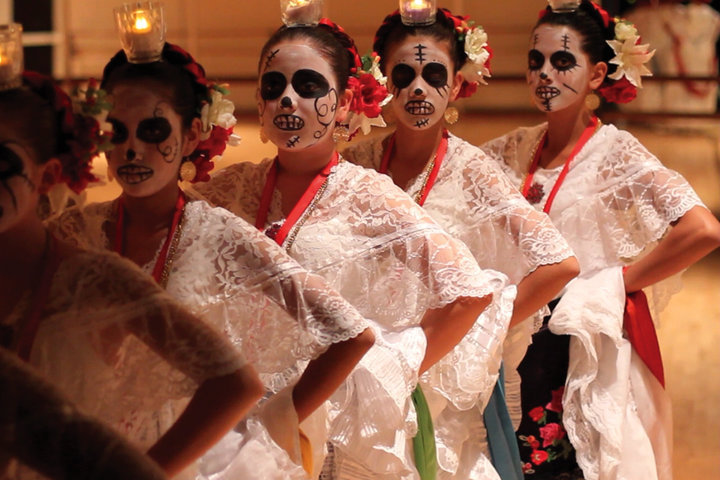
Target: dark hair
[(34, 121), (393, 31), (331, 42), (589, 22), (178, 77)]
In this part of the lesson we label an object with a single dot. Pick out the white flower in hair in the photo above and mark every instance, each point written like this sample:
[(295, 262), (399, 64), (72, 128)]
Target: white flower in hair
[(630, 58), (219, 111), (625, 30), (476, 49), (374, 70)]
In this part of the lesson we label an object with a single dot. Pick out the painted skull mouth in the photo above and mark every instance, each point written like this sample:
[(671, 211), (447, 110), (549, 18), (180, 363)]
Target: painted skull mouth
[(419, 107), (288, 122), (134, 174), (547, 93)]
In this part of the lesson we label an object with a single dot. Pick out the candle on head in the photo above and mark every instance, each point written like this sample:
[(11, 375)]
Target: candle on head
[(142, 31), (418, 12), (300, 13), (141, 23)]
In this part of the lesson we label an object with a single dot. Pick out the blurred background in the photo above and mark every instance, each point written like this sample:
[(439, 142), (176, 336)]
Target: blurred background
[(675, 116)]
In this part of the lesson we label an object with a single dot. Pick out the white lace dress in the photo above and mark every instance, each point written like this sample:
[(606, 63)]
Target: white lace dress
[(474, 201), (274, 311), (119, 347), (392, 262), (44, 430), (616, 202)]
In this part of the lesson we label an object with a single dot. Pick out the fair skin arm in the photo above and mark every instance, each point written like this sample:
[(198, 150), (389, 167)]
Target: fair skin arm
[(327, 372), (541, 286), (444, 327), (696, 234)]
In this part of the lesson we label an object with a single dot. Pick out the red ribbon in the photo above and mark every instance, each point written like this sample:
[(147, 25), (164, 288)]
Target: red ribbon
[(641, 333), (439, 156), (119, 246), (299, 208)]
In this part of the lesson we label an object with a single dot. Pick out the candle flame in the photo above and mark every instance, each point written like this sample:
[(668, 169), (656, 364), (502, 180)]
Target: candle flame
[(298, 3), (142, 24), (419, 4)]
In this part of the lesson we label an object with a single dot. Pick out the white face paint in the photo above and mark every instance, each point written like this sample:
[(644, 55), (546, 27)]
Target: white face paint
[(297, 96), (558, 70), (419, 72), (147, 138), (18, 185)]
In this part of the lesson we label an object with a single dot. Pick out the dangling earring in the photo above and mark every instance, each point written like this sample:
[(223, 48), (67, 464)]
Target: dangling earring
[(340, 133), (263, 137), (188, 170), (592, 101), (451, 115)]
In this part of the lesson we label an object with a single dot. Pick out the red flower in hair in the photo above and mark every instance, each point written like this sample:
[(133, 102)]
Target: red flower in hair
[(367, 95), (208, 149), (467, 89), (619, 91)]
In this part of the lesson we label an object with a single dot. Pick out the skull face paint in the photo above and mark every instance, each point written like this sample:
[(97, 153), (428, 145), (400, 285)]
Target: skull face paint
[(297, 106), (558, 70), (147, 139), (18, 192), (419, 72)]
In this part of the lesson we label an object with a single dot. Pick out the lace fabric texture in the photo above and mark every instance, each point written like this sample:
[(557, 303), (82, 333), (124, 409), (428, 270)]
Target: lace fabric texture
[(47, 434), (616, 202), (391, 261), (120, 347)]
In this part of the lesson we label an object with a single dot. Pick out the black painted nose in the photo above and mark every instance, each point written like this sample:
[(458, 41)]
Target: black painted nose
[(286, 102), (418, 91), (543, 76), (130, 155)]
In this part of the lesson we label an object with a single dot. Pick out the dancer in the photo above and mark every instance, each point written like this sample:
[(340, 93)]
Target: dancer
[(595, 369), (92, 323), (421, 288), (427, 67), (216, 264)]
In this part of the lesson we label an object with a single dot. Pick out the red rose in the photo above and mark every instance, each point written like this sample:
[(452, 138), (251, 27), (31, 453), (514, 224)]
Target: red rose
[(467, 89), (367, 95), (537, 414), (538, 456), (555, 405), (527, 468), (620, 91), (533, 442), (551, 433)]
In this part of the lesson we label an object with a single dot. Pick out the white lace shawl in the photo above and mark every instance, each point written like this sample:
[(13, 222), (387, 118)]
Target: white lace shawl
[(392, 262), (119, 347), (615, 204), (243, 284), (43, 430)]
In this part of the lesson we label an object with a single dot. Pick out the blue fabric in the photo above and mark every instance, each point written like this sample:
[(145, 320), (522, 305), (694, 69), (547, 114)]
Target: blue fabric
[(502, 442), (424, 442)]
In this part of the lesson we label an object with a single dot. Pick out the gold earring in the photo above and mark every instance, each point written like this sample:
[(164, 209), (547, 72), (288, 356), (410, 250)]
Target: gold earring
[(451, 115), (340, 133), (592, 101), (263, 137), (188, 170)]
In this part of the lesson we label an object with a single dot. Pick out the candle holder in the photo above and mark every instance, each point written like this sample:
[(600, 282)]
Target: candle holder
[(418, 12), (564, 6), (301, 13), (11, 56), (141, 26)]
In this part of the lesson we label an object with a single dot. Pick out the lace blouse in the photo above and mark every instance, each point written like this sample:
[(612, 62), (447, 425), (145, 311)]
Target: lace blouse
[(392, 262), (616, 202)]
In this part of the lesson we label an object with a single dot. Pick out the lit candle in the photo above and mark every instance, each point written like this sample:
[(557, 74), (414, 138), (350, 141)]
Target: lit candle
[(298, 13), (11, 56), (142, 31), (417, 12)]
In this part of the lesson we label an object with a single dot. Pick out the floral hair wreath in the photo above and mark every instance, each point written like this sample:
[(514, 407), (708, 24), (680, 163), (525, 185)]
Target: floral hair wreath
[(367, 84), (216, 113), (475, 45), (630, 58), (80, 136)]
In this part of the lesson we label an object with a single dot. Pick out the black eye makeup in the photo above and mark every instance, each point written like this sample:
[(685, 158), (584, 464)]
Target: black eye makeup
[(535, 60), (11, 164), (272, 85), (563, 61), (402, 75), (154, 130), (120, 131), (310, 84), (435, 74)]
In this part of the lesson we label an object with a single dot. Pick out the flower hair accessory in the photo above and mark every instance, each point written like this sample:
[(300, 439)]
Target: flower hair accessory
[(80, 136), (630, 55), (366, 82)]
